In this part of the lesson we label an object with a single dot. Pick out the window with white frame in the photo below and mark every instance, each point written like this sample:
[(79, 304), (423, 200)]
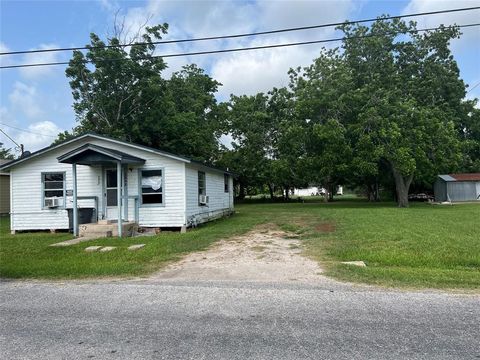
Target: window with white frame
[(151, 186), (53, 188)]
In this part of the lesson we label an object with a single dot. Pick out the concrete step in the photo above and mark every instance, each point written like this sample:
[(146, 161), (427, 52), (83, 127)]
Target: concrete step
[(106, 230)]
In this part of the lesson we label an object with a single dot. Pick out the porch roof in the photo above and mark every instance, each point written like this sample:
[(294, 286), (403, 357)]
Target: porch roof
[(90, 154)]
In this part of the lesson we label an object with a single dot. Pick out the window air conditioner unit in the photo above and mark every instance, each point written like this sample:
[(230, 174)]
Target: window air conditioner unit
[(52, 202), (203, 199)]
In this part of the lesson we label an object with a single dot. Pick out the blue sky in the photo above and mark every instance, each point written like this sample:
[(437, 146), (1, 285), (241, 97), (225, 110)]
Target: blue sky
[(36, 103)]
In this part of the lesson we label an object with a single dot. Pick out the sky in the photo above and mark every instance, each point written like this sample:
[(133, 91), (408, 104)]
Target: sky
[(36, 103)]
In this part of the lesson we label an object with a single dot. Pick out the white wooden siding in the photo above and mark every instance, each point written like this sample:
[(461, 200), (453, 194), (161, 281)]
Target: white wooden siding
[(180, 190), (220, 202), (27, 211)]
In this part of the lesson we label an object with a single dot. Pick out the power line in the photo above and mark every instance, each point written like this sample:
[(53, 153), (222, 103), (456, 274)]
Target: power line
[(239, 49), (8, 136), (269, 32), (24, 130), (474, 86)]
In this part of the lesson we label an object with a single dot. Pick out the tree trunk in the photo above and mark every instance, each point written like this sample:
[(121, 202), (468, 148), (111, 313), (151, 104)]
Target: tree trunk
[(270, 189), (377, 191), (331, 192), (402, 184), (373, 193), (287, 195), (241, 193)]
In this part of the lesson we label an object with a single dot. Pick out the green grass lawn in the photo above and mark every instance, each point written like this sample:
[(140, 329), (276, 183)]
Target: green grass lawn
[(422, 246)]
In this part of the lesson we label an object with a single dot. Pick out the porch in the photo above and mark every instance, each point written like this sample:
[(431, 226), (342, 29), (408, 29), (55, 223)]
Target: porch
[(115, 199)]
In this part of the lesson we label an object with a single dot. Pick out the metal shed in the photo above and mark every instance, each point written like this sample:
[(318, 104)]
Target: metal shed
[(457, 187)]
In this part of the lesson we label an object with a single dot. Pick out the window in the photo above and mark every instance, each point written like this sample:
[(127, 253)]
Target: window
[(151, 186), (202, 185), (225, 181), (53, 186)]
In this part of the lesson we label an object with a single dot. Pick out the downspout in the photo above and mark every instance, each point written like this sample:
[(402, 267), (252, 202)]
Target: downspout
[(75, 207)]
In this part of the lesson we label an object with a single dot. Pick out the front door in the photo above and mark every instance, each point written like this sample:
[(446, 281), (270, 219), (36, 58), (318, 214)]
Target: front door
[(111, 189)]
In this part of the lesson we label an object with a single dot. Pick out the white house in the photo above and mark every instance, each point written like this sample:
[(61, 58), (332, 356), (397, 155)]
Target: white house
[(108, 179)]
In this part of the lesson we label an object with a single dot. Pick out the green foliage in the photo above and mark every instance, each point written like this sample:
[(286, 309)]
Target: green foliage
[(5, 153), (123, 95), (386, 110)]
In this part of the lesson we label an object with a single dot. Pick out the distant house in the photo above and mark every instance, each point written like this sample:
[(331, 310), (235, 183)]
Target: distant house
[(315, 191), (457, 187), (91, 178), (310, 191), (4, 190)]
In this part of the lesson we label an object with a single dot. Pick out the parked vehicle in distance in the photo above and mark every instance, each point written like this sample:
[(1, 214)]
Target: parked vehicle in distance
[(421, 197)]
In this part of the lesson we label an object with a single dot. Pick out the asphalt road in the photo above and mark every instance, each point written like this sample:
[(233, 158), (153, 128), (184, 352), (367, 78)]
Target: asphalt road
[(233, 320)]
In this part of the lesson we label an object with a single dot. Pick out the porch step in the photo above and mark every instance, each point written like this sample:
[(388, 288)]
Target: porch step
[(98, 230)]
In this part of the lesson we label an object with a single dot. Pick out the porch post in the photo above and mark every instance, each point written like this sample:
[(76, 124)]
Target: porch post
[(125, 192), (119, 197), (75, 207)]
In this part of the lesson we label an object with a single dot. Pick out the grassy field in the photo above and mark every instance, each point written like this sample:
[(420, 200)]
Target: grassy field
[(422, 246)]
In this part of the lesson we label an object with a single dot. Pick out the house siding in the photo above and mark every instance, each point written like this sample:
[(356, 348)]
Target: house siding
[(180, 193), (28, 213), (220, 203)]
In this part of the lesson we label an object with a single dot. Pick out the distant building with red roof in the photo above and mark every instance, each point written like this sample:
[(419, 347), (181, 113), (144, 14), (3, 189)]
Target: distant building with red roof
[(457, 187)]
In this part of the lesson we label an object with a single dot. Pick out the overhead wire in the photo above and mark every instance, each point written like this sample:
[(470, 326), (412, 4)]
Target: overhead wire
[(28, 131), (473, 87), (242, 48), (222, 37), (10, 138)]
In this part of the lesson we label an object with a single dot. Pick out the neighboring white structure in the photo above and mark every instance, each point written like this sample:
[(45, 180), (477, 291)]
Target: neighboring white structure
[(315, 191), (104, 177), (311, 191)]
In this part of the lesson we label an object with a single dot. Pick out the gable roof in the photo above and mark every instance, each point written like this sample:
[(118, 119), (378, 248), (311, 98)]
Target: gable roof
[(90, 154), (13, 163)]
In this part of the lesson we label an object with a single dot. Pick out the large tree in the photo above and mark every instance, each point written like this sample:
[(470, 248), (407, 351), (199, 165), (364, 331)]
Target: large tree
[(120, 92), (411, 94), (250, 126)]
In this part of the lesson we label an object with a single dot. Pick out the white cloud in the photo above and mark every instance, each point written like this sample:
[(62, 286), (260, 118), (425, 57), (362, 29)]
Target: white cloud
[(260, 70), (243, 72), (41, 134), (45, 57), (26, 120), (5, 59), (23, 99), (109, 5)]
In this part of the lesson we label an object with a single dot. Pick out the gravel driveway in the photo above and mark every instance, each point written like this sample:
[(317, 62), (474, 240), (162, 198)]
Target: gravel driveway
[(260, 255)]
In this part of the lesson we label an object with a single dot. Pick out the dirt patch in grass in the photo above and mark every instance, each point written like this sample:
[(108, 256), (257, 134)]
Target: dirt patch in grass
[(264, 254), (327, 227)]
